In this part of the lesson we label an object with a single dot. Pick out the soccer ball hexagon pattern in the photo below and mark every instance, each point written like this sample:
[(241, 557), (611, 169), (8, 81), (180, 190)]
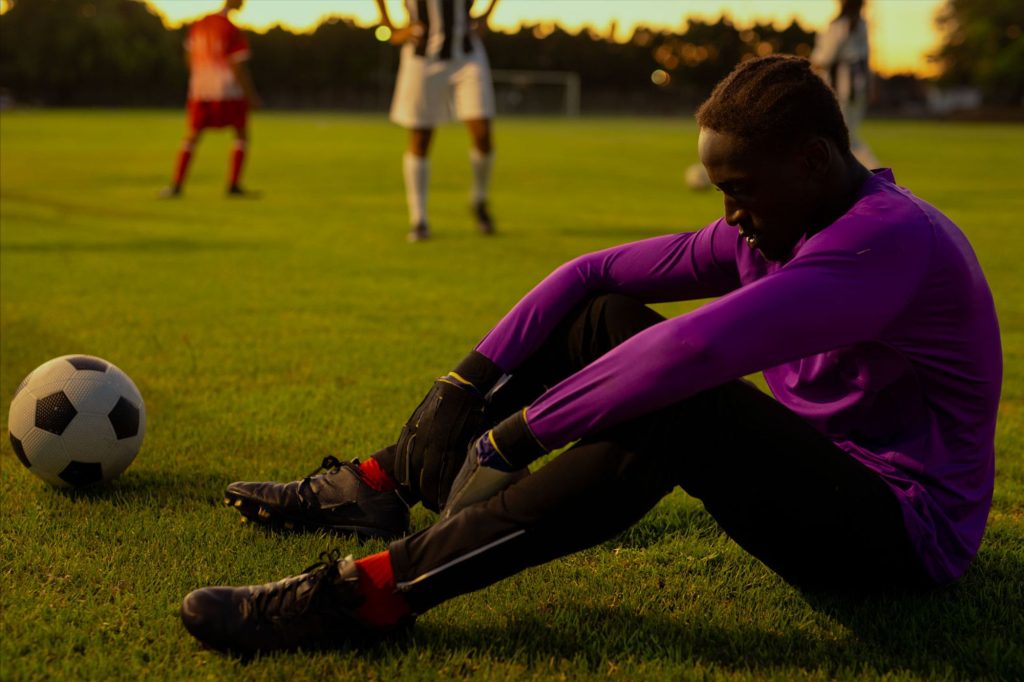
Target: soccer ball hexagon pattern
[(76, 420)]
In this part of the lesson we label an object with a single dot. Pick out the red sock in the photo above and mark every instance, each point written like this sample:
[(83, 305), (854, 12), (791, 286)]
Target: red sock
[(384, 605), (375, 476), (184, 156), (237, 158)]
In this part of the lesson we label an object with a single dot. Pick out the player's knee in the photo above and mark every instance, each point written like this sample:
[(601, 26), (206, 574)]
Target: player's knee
[(614, 308), (419, 142), (480, 132), (616, 303)]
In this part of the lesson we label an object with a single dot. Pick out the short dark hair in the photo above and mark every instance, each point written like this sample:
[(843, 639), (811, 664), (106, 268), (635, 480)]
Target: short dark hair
[(775, 100)]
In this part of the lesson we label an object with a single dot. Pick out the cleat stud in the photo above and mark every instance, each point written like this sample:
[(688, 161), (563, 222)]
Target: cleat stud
[(238, 503), (243, 519), (227, 501), (263, 513), (289, 525)]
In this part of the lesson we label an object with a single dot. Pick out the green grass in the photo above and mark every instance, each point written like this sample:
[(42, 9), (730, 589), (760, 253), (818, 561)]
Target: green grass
[(266, 334)]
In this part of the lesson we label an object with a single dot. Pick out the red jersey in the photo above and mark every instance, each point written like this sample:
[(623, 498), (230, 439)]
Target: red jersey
[(213, 44)]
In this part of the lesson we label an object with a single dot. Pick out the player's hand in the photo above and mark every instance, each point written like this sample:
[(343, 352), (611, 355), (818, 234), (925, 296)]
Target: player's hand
[(476, 483), (414, 33), (434, 440), (488, 455), (479, 26)]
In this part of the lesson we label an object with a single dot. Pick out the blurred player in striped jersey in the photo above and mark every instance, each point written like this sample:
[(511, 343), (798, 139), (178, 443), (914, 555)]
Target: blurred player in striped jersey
[(220, 92), (442, 59), (840, 57)]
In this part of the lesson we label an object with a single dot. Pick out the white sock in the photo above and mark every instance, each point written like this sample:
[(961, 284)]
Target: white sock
[(481, 164), (416, 170)]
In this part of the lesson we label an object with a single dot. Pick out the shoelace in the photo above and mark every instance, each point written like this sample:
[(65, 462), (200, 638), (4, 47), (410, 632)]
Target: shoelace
[(332, 465), (283, 599)]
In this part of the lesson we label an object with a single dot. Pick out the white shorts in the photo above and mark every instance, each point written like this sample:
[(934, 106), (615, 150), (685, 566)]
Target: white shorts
[(427, 91)]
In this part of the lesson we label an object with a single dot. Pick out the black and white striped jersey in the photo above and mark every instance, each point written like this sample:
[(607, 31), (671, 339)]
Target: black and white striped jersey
[(446, 32)]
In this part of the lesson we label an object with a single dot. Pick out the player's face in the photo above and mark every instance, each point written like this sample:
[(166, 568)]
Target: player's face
[(770, 195)]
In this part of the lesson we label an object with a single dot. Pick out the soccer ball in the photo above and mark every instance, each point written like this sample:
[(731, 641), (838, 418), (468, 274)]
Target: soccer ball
[(76, 420), (697, 178)]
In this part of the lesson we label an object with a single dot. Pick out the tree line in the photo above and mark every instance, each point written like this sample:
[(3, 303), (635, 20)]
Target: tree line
[(119, 52)]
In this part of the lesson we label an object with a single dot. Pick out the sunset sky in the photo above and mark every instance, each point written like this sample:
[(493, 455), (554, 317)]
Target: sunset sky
[(902, 31)]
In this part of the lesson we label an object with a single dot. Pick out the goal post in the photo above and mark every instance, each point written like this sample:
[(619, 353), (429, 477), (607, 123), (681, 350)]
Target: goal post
[(537, 91)]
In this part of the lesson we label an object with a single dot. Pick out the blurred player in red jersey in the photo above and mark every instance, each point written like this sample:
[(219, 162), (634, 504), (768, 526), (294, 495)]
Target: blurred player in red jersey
[(220, 91)]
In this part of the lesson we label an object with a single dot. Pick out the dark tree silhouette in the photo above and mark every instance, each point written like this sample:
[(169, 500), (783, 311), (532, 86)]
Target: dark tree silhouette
[(983, 45)]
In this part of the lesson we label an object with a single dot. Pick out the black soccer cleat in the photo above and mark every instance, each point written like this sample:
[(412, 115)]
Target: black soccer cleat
[(312, 610), (337, 500), (239, 192), (418, 233), (484, 223)]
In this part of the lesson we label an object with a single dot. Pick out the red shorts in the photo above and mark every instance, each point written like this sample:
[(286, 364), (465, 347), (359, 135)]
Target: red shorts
[(217, 114)]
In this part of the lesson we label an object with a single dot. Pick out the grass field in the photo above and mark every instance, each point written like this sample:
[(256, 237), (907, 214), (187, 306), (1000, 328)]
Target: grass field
[(267, 333)]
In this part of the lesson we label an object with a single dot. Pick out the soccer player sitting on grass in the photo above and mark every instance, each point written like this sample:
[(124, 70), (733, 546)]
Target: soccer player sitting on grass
[(220, 92), (871, 467)]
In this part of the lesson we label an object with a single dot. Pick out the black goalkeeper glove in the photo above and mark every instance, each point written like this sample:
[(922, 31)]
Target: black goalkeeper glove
[(434, 440)]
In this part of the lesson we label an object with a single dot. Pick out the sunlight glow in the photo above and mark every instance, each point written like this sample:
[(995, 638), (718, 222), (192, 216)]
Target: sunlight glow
[(902, 31)]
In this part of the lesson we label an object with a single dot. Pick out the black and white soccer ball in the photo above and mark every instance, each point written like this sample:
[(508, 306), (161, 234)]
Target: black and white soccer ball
[(76, 420), (697, 177)]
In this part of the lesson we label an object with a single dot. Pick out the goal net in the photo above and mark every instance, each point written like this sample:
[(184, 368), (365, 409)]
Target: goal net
[(537, 92)]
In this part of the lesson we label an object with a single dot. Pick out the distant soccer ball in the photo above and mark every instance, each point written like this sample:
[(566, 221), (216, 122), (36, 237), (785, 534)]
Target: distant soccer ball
[(76, 420), (697, 178)]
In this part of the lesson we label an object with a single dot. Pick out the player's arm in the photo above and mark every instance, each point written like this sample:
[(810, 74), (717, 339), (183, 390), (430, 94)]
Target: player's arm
[(675, 267), (399, 36), (385, 18), (452, 414), (825, 301), (237, 55), (186, 46), (826, 46), (241, 73), (480, 21)]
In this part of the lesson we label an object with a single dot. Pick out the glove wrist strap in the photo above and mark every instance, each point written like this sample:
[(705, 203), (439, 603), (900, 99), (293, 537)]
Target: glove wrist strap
[(515, 441), (478, 370)]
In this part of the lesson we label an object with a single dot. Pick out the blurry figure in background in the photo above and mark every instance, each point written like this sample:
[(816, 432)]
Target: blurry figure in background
[(841, 57), (442, 59), (220, 92), (697, 177)]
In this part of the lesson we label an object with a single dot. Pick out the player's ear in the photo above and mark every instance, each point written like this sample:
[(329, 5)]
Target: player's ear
[(815, 156)]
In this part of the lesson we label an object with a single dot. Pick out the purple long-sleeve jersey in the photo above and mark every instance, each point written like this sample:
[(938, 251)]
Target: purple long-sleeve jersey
[(880, 330)]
